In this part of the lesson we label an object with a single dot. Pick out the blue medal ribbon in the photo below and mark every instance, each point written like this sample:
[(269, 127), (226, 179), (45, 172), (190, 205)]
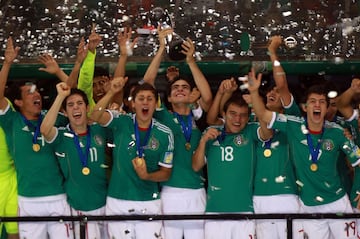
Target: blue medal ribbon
[(140, 146), (186, 128), (268, 143), (83, 156), (35, 127), (314, 152), (222, 135)]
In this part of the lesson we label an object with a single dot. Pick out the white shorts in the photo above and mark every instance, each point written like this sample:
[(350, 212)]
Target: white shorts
[(133, 229), (277, 228), (326, 228), (93, 229), (183, 201), (44, 206), (229, 229)]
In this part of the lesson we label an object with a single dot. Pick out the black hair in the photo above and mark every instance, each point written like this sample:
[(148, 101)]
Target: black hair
[(101, 71), (238, 100), (317, 89), (14, 91), (75, 91), (142, 87), (180, 77)]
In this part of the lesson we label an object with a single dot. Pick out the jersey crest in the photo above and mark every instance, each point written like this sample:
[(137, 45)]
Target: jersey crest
[(328, 145), (239, 140), (153, 144)]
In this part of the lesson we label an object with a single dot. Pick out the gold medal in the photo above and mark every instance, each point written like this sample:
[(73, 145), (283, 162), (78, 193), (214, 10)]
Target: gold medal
[(139, 161), (85, 171), (267, 153), (188, 146), (313, 167), (36, 147)]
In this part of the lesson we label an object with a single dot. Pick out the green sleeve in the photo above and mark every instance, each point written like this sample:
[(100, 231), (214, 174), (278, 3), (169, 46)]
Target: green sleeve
[(86, 76)]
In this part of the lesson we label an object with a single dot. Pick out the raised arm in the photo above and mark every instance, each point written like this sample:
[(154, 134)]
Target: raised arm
[(47, 129), (99, 114), (126, 48), (153, 68), (52, 67), (199, 78), (212, 117), (278, 71), (86, 75), (258, 105), (343, 102), (80, 56), (11, 53)]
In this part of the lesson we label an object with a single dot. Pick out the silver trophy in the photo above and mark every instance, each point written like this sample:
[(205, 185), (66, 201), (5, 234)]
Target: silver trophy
[(161, 17)]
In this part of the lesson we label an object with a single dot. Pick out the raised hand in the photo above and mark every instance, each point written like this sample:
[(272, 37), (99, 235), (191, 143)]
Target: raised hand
[(51, 66), (162, 34), (82, 51), (125, 43), (11, 52), (254, 80), (274, 43), (117, 84), (94, 39), (188, 49), (63, 89)]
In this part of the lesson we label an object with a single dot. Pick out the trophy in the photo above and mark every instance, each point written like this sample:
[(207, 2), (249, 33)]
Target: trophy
[(159, 16)]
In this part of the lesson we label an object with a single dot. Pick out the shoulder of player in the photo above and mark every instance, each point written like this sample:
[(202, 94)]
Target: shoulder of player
[(161, 127), (333, 125)]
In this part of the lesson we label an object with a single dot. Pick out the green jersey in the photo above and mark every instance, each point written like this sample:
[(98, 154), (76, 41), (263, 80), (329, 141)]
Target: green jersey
[(158, 151), (231, 169), (320, 184), (292, 108), (85, 192), (7, 163), (182, 175), (38, 173), (274, 169)]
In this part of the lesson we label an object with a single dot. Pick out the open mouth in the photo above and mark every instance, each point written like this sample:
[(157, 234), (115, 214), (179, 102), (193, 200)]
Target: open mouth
[(77, 115), (145, 110), (317, 113), (37, 102)]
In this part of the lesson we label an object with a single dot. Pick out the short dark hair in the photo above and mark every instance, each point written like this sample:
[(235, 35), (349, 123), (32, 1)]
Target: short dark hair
[(238, 100), (75, 91), (142, 87), (101, 71), (180, 77), (317, 89), (14, 91)]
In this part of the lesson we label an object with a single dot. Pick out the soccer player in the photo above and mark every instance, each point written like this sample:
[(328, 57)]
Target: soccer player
[(142, 157), (229, 153), (40, 183), (315, 145), (80, 150)]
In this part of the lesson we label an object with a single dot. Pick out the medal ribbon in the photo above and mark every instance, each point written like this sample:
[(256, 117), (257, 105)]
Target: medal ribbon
[(268, 143), (139, 146), (186, 128), (314, 151), (83, 156), (35, 127), (222, 135)]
